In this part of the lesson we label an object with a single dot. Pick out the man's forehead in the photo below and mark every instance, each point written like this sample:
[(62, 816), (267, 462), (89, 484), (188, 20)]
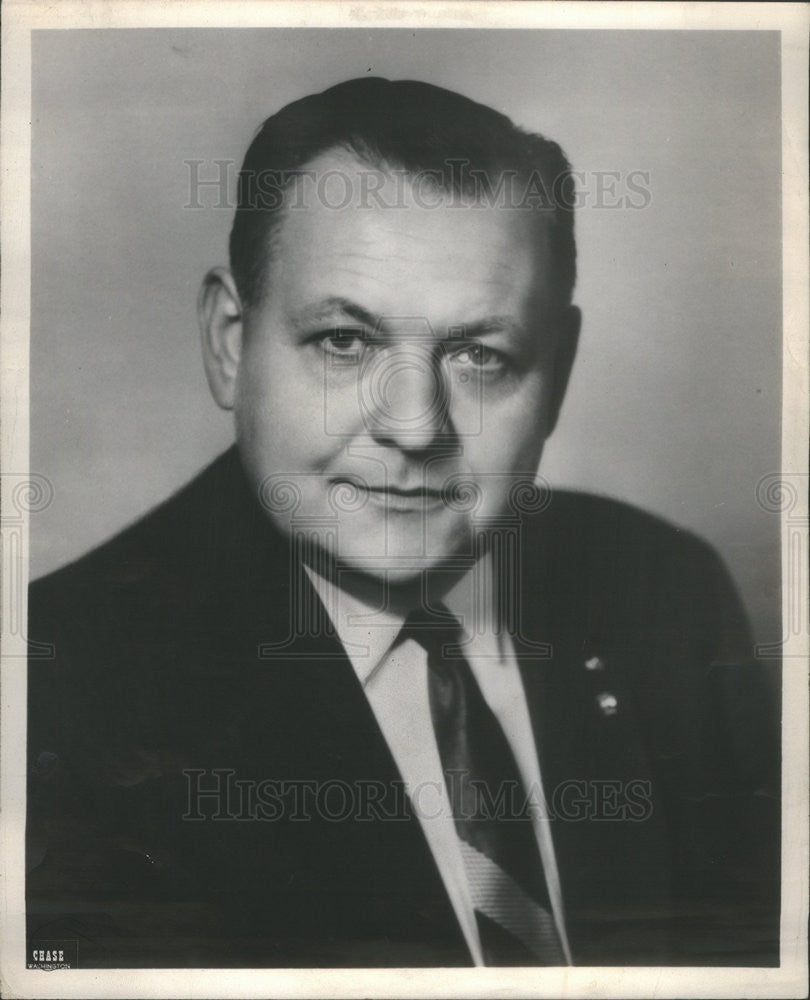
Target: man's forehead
[(403, 241), (339, 185)]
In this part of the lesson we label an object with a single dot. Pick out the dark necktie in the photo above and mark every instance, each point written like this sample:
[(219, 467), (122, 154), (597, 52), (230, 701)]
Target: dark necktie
[(498, 844)]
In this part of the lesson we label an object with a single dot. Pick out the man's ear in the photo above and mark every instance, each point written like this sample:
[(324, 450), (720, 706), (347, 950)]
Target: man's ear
[(219, 309), (564, 354)]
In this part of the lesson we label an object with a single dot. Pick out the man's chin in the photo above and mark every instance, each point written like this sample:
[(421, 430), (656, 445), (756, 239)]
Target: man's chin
[(398, 567), (403, 555), (400, 584), (374, 552), (399, 571)]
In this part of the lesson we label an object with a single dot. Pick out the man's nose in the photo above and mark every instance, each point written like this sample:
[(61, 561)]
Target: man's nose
[(404, 397)]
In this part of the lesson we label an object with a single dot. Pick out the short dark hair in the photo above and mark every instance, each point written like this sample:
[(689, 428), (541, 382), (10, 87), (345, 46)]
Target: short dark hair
[(402, 124)]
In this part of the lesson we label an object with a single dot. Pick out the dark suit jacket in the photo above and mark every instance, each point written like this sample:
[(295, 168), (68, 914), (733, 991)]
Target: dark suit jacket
[(169, 662)]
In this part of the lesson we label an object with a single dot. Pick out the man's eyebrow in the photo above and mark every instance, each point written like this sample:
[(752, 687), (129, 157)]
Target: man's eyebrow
[(333, 306), (491, 324)]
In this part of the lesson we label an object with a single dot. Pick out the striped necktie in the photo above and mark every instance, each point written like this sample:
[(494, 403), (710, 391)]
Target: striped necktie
[(498, 845)]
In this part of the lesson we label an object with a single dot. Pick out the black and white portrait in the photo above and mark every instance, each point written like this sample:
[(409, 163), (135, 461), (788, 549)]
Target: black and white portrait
[(406, 499)]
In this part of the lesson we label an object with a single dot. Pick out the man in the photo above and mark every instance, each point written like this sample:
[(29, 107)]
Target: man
[(362, 694)]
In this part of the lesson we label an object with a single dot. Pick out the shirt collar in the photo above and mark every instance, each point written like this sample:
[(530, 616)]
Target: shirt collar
[(368, 632)]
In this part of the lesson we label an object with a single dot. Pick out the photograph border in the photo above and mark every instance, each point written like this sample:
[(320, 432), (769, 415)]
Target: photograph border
[(21, 492)]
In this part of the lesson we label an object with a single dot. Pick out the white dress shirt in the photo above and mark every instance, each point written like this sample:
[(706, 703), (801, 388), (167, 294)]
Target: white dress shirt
[(395, 681)]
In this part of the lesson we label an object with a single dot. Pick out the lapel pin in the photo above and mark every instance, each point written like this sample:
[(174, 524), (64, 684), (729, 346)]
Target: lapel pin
[(608, 703)]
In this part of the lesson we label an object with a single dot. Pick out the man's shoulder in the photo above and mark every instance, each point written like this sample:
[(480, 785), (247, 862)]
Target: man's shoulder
[(603, 535), (167, 527), (596, 566), (180, 553)]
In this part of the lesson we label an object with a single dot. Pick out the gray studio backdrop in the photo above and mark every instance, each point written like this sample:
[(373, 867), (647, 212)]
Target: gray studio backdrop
[(675, 399)]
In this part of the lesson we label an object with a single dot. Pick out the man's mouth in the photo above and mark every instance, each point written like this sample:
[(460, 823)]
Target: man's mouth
[(419, 492), (397, 498)]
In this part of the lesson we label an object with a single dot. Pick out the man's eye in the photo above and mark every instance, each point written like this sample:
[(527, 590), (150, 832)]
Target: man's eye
[(347, 343), (477, 357)]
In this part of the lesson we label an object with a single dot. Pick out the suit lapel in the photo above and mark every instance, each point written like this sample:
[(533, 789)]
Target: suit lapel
[(607, 825)]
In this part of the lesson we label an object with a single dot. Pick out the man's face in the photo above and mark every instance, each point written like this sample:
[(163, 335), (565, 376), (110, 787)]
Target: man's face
[(397, 378)]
